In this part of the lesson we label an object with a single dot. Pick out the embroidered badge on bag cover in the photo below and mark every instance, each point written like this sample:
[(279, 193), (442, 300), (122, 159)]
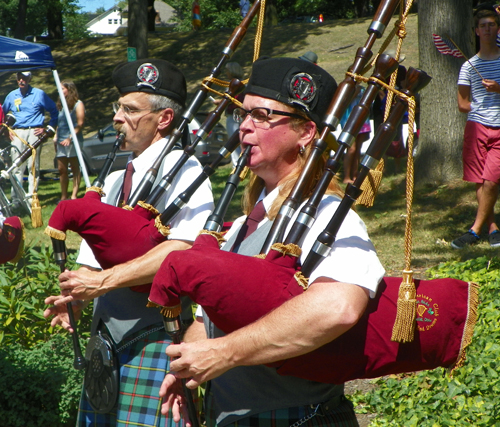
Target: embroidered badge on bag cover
[(147, 74), (303, 88), (427, 312)]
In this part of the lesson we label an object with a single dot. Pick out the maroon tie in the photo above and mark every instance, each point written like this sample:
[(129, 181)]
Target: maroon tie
[(250, 225), (127, 184)]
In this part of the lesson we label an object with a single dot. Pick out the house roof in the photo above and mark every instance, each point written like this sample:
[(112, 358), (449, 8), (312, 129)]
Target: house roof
[(102, 16)]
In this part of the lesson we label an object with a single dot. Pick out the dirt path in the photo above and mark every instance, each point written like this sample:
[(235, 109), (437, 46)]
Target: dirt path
[(363, 386)]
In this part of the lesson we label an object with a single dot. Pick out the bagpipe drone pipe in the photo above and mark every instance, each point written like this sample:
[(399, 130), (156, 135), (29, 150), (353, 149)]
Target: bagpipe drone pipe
[(446, 308), (145, 186), (106, 228)]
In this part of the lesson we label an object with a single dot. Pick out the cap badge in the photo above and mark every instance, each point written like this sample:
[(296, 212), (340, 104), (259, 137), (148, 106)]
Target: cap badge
[(303, 88), (148, 75), (9, 233)]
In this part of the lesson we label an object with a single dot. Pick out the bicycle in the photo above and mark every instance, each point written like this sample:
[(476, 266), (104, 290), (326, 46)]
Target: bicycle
[(19, 198)]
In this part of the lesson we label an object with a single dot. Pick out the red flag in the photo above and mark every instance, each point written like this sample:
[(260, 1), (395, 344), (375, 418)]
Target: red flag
[(445, 47)]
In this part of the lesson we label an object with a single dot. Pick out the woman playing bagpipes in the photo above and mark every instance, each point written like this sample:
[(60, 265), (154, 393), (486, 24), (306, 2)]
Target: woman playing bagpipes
[(284, 103)]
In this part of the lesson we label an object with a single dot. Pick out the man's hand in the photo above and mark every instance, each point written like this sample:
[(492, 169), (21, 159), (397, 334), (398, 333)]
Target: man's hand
[(173, 399), (82, 284), (60, 311), (38, 131), (491, 85), (199, 361)]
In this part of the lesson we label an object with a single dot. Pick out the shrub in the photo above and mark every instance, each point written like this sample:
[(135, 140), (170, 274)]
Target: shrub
[(23, 289), (39, 386), (470, 397)]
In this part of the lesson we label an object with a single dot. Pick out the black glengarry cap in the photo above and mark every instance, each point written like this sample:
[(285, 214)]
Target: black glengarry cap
[(151, 75), (295, 82)]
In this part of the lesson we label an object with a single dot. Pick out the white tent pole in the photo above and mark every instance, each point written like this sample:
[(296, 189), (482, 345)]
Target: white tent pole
[(71, 128)]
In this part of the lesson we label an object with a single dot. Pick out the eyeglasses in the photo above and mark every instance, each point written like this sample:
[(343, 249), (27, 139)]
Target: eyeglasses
[(130, 111), (260, 114)]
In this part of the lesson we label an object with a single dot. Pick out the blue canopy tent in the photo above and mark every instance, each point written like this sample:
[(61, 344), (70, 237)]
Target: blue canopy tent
[(18, 55)]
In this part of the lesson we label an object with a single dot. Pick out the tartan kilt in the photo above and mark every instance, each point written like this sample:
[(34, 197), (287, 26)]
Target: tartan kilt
[(142, 366), (341, 416)]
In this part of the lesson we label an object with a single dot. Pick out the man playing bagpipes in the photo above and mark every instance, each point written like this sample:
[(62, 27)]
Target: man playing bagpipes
[(285, 101), (152, 96)]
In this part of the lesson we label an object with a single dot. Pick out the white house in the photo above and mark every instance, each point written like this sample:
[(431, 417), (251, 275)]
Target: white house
[(114, 20), (106, 23)]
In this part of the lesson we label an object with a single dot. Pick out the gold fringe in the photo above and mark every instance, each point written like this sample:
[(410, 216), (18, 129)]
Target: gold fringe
[(148, 207), (404, 325), (289, 249), (215, 234), (128, 208), (36, 211), (20, 249), (260, 256), (56, 234), (371, 185), (163, 229), (97, 190), (470, 323), (170, 312), (302, 281)]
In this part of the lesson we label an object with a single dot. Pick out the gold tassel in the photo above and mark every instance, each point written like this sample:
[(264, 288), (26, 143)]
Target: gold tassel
[(36, 211), (404, 325), (164, 230), (170, 312), (56, 234), (370, 186), (289, 249), (97, 190), (148, 207), (218, 236), (470, 323), (302, 281)]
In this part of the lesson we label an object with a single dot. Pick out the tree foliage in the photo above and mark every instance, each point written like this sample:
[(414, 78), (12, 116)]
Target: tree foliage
[(56, 18), (216, 14)]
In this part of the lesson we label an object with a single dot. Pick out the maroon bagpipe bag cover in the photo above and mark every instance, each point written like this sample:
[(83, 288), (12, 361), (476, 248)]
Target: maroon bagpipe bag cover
[(235, 290), (115, 235)]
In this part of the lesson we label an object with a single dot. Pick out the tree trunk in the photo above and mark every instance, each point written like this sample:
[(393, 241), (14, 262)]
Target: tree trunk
[(55, 20), (20, 28), (439, 157), (138, 27), (151, 16), (359, 7)]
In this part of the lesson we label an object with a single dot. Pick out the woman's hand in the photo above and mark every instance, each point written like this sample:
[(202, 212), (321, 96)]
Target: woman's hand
[(66, 142)]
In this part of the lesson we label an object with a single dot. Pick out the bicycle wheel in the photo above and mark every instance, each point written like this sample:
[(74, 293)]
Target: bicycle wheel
[(20, 195), (4, 204)]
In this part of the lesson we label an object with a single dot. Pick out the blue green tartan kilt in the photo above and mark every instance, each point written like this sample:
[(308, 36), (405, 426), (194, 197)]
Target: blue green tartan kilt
[(142, 365), (341, 416)]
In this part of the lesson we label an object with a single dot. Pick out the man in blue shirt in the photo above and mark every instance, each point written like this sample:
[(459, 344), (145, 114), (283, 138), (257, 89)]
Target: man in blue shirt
[(28, 104)]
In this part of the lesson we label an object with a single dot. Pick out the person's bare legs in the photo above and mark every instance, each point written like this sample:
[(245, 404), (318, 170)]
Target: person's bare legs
[(62, 165), (75, 168), (487, 194)]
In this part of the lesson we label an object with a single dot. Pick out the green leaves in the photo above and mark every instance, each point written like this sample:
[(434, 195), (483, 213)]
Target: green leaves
[(470, 397), (23, 289)]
